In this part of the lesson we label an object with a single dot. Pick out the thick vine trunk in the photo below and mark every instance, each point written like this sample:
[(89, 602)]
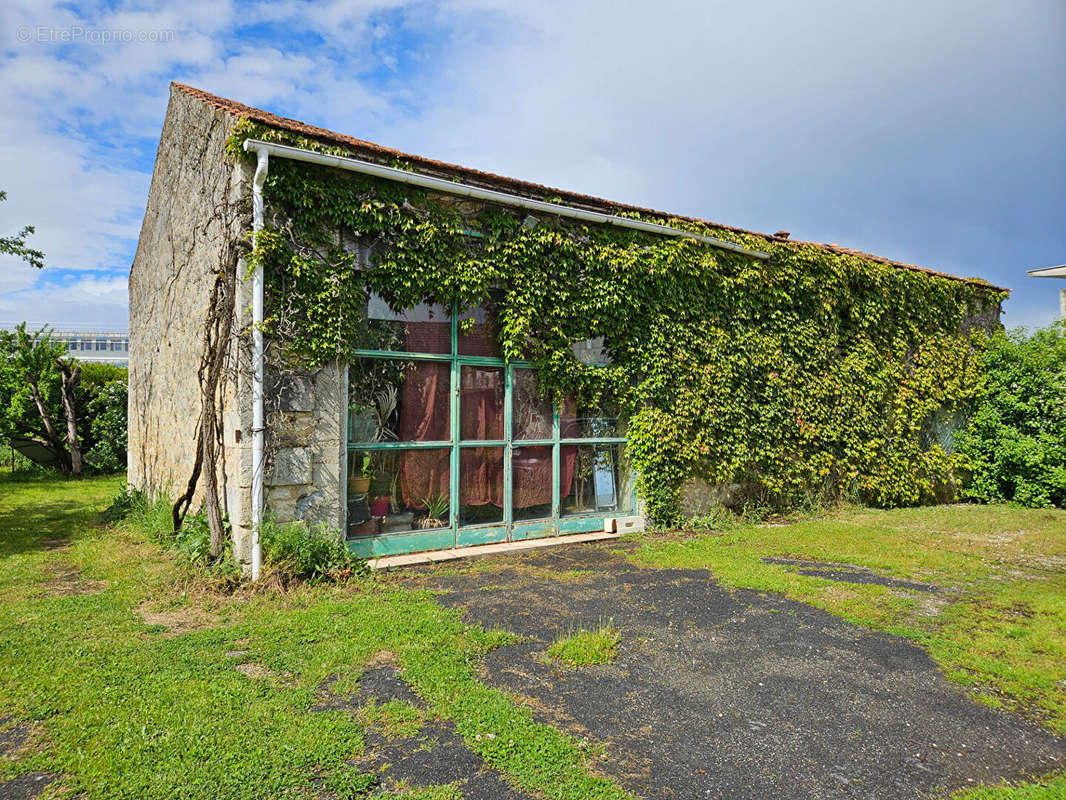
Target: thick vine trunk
[(71, 379), (217, 332), (209, 443)]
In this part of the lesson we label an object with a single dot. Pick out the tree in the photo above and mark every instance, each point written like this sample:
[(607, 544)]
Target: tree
[(1016, 440), (36, 377), (16, 245)]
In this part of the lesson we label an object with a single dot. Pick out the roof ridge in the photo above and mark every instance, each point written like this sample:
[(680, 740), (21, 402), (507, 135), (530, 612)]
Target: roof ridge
[(517, 186)]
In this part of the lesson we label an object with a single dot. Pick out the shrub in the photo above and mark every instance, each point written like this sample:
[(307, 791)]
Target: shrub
[(1016, 440), (296, 551), (106, 421)]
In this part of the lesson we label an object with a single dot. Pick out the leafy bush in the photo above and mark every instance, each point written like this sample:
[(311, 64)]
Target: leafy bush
[(29, 359), (296, 551), (1016, 441), (106, 420)]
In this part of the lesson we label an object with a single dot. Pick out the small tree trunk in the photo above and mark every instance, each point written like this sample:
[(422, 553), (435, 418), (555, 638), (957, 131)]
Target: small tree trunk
[(71, 379), (50, 429)]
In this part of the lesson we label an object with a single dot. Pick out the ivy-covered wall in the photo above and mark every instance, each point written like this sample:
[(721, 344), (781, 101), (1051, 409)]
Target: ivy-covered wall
[(812, 376)]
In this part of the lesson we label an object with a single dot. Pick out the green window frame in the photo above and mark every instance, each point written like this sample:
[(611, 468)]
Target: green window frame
[(456, 535)]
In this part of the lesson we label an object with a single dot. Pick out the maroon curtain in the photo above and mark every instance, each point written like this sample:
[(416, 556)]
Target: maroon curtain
[(424, 416)]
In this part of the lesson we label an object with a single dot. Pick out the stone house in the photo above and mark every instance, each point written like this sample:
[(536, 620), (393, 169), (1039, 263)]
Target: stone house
[(518, 469)]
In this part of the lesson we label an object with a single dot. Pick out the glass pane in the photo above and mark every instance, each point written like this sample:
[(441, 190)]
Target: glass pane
[(422, 329), (591, 351), (589, 421), (481, 403), (397, 490), (594, 478), (480, 485), (483, 339), (391, 400), (532, 414), (531, 483)]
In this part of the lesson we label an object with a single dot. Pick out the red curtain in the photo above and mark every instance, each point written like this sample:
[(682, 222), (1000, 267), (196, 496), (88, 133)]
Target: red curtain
[(424, 416)]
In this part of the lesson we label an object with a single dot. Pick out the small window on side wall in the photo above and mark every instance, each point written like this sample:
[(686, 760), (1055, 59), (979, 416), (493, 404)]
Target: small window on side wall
[(591, 351)]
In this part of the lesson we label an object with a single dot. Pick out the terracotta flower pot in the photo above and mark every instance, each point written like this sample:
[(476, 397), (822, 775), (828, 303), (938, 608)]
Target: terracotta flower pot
[(359, 485)]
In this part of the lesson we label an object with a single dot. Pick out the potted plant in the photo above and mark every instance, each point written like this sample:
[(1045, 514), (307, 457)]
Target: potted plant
[(360, 470), (436, 512)]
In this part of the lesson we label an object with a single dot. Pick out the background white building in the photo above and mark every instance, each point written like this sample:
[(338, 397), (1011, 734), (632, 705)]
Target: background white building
[(108, 346)]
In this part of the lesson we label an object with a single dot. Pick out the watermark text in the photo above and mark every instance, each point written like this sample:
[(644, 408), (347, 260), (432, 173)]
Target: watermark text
[(75, 34)]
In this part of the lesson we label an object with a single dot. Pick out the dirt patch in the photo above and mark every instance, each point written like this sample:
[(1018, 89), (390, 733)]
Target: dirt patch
[(176, 621), (928, 605), (1052, 563), (259, 672), (63, 580), (383, 658)]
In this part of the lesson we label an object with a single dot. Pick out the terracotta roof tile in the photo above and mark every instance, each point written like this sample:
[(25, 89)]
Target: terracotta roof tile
[(376, 152)]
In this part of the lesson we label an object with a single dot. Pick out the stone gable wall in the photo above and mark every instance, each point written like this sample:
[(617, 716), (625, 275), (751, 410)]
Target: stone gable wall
[(182, 239)]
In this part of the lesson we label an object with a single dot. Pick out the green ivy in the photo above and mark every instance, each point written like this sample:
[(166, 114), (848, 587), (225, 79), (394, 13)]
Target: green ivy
[(813, 375)]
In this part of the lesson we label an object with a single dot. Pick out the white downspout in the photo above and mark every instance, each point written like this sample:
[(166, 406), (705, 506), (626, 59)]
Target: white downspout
[(262, 165)]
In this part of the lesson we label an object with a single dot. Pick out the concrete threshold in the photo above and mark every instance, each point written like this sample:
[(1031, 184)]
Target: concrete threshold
[(434, 556)]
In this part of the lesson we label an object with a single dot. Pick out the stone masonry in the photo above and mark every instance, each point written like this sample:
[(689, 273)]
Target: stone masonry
[(199, 197)]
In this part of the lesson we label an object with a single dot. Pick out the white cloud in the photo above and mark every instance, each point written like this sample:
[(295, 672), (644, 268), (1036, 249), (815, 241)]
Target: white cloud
[(910, 129), (92, 300)]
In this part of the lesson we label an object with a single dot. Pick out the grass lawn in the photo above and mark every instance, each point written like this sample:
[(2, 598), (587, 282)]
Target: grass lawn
[(123, 708), (135, 682), (997, 628)]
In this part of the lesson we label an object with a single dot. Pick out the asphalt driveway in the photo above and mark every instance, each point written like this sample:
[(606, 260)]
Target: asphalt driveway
[(731, 693)]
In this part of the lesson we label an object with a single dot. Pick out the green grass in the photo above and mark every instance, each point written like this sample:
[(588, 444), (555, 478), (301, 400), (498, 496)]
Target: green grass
[(115, 655), (118, 662), (585, 647), (1050, 789), (998, 628)]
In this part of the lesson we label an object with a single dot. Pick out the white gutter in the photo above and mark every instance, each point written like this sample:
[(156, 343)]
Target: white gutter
[(1048, 272), (262, 165), (462, 189)]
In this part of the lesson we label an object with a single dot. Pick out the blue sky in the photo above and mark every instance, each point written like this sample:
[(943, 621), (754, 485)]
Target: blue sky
[(931, 132)]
